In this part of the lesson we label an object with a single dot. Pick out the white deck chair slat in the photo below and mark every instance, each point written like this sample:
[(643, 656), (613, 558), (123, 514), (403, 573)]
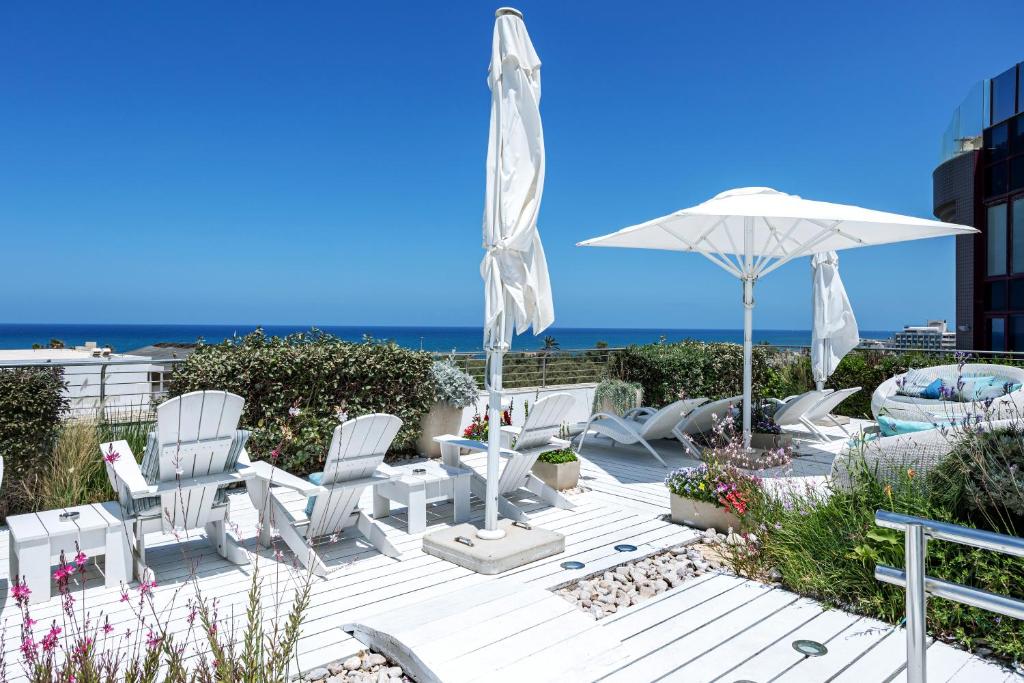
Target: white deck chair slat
[(661, 424), (544, 421)]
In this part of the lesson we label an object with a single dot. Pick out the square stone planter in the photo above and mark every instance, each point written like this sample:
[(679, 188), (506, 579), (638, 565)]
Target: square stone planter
[(564, 475), (764, 442), (440, 420), (702, 515)]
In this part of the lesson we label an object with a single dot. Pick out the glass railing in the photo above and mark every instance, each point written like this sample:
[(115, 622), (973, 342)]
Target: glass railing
[(963, 134)]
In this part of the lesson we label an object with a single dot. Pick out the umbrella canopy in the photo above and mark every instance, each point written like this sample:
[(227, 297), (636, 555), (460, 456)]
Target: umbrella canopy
[(751, 231), (834, 330), (517, 292)]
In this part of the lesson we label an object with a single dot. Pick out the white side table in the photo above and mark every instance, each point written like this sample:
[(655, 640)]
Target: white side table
[(37, 539), (414, 489)]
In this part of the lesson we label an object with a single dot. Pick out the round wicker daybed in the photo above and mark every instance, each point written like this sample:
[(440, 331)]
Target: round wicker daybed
[(889, 402)]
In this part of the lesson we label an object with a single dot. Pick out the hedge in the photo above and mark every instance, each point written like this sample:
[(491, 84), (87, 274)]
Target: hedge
[(32, 403), (319, 374), (715, 370)]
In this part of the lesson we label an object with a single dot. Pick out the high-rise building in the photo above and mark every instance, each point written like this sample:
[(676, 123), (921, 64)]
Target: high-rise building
[(934, 335), (980, 182)]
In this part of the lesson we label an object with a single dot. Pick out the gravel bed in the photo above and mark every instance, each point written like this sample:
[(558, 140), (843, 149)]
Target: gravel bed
[(366, 667)]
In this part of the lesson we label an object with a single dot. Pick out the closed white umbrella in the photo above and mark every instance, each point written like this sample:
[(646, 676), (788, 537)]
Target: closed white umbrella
[(834, 331), (751, 231), (517, 292)]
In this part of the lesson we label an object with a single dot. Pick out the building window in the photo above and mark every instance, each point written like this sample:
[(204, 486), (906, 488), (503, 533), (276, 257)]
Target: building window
[(1016, 333), (1017, 295), (1018, 235), (997, 141), (1020, 89), (1017, 173), (996, 230), (1017, 136), (997, 334), (996, 296), (1004, 95)]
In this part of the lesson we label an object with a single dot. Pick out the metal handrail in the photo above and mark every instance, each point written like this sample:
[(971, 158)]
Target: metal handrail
[(917, 531)]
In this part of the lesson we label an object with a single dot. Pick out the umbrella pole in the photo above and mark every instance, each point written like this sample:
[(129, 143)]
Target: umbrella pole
[(491, 531), (748, 325)]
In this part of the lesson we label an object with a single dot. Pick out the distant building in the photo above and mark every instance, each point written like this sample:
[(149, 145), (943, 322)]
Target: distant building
[(980, 182), (95, 377), (934, 335)]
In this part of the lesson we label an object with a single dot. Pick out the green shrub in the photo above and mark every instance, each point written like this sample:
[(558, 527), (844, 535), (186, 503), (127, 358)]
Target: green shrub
[(693, 368), (320, 375), (826, 546), (452, 386), (557, 457), (32, 403)]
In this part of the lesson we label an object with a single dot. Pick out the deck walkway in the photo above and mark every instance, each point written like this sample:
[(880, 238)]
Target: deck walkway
[(719, 627)]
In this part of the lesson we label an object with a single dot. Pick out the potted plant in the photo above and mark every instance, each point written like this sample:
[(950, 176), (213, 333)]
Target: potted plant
[(765, 433), (616, 397), (453, 391), (710, 496), (558, 469)]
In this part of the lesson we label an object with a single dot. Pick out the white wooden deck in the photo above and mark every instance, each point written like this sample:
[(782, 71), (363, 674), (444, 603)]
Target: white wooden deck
[(719, 627)]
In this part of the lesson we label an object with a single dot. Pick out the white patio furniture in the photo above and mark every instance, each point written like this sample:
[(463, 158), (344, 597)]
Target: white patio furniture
[(701, 420), (309, 514), (419, 483), (514, 475), (542, 425), (195, 452), (37, 540), (810, 409), (644, 413), (887, 400), (628, 431)]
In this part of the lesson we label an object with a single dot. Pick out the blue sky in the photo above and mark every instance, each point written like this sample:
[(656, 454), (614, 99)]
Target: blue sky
[(323, 162)]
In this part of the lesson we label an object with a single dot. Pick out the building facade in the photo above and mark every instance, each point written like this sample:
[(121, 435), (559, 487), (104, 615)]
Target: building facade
[(934, 335), (980, 182)]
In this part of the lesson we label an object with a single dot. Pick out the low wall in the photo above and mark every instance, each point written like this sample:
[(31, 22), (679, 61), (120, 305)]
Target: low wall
[(583, 393)]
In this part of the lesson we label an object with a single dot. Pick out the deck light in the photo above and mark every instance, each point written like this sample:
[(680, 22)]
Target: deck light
[(573, 564), (625, 548), (810, 648)]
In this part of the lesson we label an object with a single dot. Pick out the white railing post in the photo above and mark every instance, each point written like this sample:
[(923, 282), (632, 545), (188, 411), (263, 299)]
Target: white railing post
[(914, 556)]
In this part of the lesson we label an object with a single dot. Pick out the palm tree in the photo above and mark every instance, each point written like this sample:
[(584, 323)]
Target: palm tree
[(550, 345)]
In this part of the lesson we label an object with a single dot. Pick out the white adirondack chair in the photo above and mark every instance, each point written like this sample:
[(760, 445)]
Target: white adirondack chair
[(331, 504), (538, 432), (195, 451), (641, 427), (541, 427)]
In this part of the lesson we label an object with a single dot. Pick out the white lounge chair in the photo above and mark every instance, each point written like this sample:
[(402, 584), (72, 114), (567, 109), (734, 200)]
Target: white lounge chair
[(542, 425), (331, 504), (545, 419), (811, 408), (195, 451), (701, 420), (657, 425)]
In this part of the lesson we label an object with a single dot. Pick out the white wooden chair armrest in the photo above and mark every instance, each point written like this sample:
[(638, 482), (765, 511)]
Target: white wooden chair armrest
[(470, 445), (509, 434), (355, 483), (126, 471), (278, 477)]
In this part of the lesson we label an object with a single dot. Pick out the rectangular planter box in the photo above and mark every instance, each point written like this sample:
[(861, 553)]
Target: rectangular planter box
[(766, 442), (562, 476), (702, 515)]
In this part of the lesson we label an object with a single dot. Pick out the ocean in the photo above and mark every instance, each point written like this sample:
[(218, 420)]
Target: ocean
[(125, 338)]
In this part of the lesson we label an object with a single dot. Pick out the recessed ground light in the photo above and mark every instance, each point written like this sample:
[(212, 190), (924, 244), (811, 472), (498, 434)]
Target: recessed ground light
[(811, 648), (573, 564), (625, 548), (744, 680)]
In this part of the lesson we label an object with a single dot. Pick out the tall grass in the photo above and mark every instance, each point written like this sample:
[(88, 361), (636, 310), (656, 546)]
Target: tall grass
[(76, 475), (826, 546)]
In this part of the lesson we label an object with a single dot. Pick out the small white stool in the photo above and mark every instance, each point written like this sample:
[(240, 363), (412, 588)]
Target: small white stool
[(37, 539), (414, 489)]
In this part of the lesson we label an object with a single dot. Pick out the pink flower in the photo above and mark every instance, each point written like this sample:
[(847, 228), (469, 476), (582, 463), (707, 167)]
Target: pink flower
[(107, 628), (124, 595), (28, 648), (152, 640), (146, 587), (20, 591), (63, 572), (81, 558), (275, 454), (50, 639), (111, 456)]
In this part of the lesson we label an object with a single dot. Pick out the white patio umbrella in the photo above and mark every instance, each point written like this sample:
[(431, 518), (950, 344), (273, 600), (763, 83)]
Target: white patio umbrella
[(517, 292), (751, 231), (834, 330)]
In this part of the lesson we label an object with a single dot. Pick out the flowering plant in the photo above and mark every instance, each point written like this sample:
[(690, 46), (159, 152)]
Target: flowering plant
[(477, 429), (711, 482)]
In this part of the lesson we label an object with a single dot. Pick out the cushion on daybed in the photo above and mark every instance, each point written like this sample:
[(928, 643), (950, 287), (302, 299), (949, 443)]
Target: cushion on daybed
[(892, 427)]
